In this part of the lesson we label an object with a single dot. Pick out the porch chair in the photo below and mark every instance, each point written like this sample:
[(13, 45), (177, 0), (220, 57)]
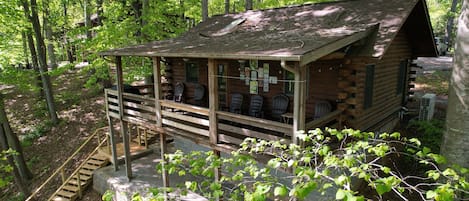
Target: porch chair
[(199, 93), (236, 103), (321, 108), (178, 92), (279, 106), (255, 106)]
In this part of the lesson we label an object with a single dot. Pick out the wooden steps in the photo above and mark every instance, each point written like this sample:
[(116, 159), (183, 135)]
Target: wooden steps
[(150, 135), (70, 191)]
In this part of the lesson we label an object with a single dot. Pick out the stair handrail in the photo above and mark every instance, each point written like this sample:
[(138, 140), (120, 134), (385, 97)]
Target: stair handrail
[(60, 169), (77, 171)]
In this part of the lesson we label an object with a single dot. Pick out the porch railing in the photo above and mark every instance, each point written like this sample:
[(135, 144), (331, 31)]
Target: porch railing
[(331, 119), (193, 121)]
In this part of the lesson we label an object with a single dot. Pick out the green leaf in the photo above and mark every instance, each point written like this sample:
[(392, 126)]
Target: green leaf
[(430, 194), (280, 191), (386, 170), (415, 141), (382, 188), (340, 194)]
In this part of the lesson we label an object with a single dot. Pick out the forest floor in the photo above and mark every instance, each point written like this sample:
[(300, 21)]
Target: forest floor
[(46, 147), (81, 111)]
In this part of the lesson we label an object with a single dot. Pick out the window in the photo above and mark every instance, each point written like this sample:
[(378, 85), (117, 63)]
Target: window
[(401, 79), (289, 83), (369, 79), (192, 72)]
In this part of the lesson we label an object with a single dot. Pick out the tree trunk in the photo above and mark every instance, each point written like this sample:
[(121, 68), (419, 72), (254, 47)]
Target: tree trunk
[(25, 49), (21, 172), (14, 143), (204, 10), (35, 64), (46, 84), (99, 11), (455, 145), (248, 4), (48, 31), (87, 17), (20, 183), (66, 45), (450, 23), (137, 8), (227, 6)]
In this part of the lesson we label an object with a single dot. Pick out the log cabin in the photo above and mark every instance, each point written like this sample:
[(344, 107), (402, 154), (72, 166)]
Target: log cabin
[(339, 64)]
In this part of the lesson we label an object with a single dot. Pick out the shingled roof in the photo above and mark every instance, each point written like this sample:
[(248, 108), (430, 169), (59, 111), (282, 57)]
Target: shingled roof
[(297, 33)]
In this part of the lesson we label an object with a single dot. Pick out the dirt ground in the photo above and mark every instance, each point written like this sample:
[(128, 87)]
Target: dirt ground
[(434, 77), (81, 111)]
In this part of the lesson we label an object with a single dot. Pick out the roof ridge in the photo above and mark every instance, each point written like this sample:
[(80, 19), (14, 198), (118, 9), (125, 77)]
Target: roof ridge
[(287, 7)]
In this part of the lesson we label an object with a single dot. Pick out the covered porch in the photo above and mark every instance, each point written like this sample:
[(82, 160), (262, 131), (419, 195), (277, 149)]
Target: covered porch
[(214, 125)]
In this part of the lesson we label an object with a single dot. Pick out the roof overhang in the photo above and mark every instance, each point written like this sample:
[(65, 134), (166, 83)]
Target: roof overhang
[(336, 45)]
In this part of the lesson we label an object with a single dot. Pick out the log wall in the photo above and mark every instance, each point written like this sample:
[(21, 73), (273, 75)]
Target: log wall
[(385, 102)]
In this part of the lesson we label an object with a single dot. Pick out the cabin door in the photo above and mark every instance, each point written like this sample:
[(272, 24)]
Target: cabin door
[(222, 85)]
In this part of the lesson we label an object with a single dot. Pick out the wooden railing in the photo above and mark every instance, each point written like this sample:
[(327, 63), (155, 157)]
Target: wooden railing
[(61, 170), (184, 118), (137, 109), (233, 128), (193, 121), (327, 119)]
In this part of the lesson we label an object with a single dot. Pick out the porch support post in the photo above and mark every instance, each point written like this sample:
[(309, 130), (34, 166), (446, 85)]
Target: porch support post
[(159, 120), (299, 101), (303, 93), (125, 134), (213, 101), (299, 97), (157, 89), (111, 134), (213, 107)]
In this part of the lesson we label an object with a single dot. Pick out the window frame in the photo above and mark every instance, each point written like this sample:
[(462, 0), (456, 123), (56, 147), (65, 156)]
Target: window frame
[(289, 82), (191, 72), (369, 86)]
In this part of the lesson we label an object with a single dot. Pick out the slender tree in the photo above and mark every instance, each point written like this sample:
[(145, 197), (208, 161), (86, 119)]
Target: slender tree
[(48, 32), (66, 44), (204, 10), (227, 6), (33, 54), (455, 145), (8, 140), (13, 143), (41, 52), (248, 5), (87, 16), (450, 23), (99, 11)]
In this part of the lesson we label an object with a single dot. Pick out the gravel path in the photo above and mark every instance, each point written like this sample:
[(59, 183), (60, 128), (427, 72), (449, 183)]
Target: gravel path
[(435, 63)]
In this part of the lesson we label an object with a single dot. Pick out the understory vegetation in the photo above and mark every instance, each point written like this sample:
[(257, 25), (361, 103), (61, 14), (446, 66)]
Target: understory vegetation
[(341, 164)]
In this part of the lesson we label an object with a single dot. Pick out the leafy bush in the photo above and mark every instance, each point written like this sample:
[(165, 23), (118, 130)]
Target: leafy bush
[(5, 168), (430, 133), (333, 160)]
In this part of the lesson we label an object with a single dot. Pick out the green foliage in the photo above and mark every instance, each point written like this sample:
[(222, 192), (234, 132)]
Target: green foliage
[(39, 131), (439, 13), (107, 196), (327, 161), (9, 75), (430, 133), (5, 168)]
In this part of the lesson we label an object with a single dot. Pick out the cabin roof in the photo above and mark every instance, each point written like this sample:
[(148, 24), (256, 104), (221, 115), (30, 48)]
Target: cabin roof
[(298, 33)]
